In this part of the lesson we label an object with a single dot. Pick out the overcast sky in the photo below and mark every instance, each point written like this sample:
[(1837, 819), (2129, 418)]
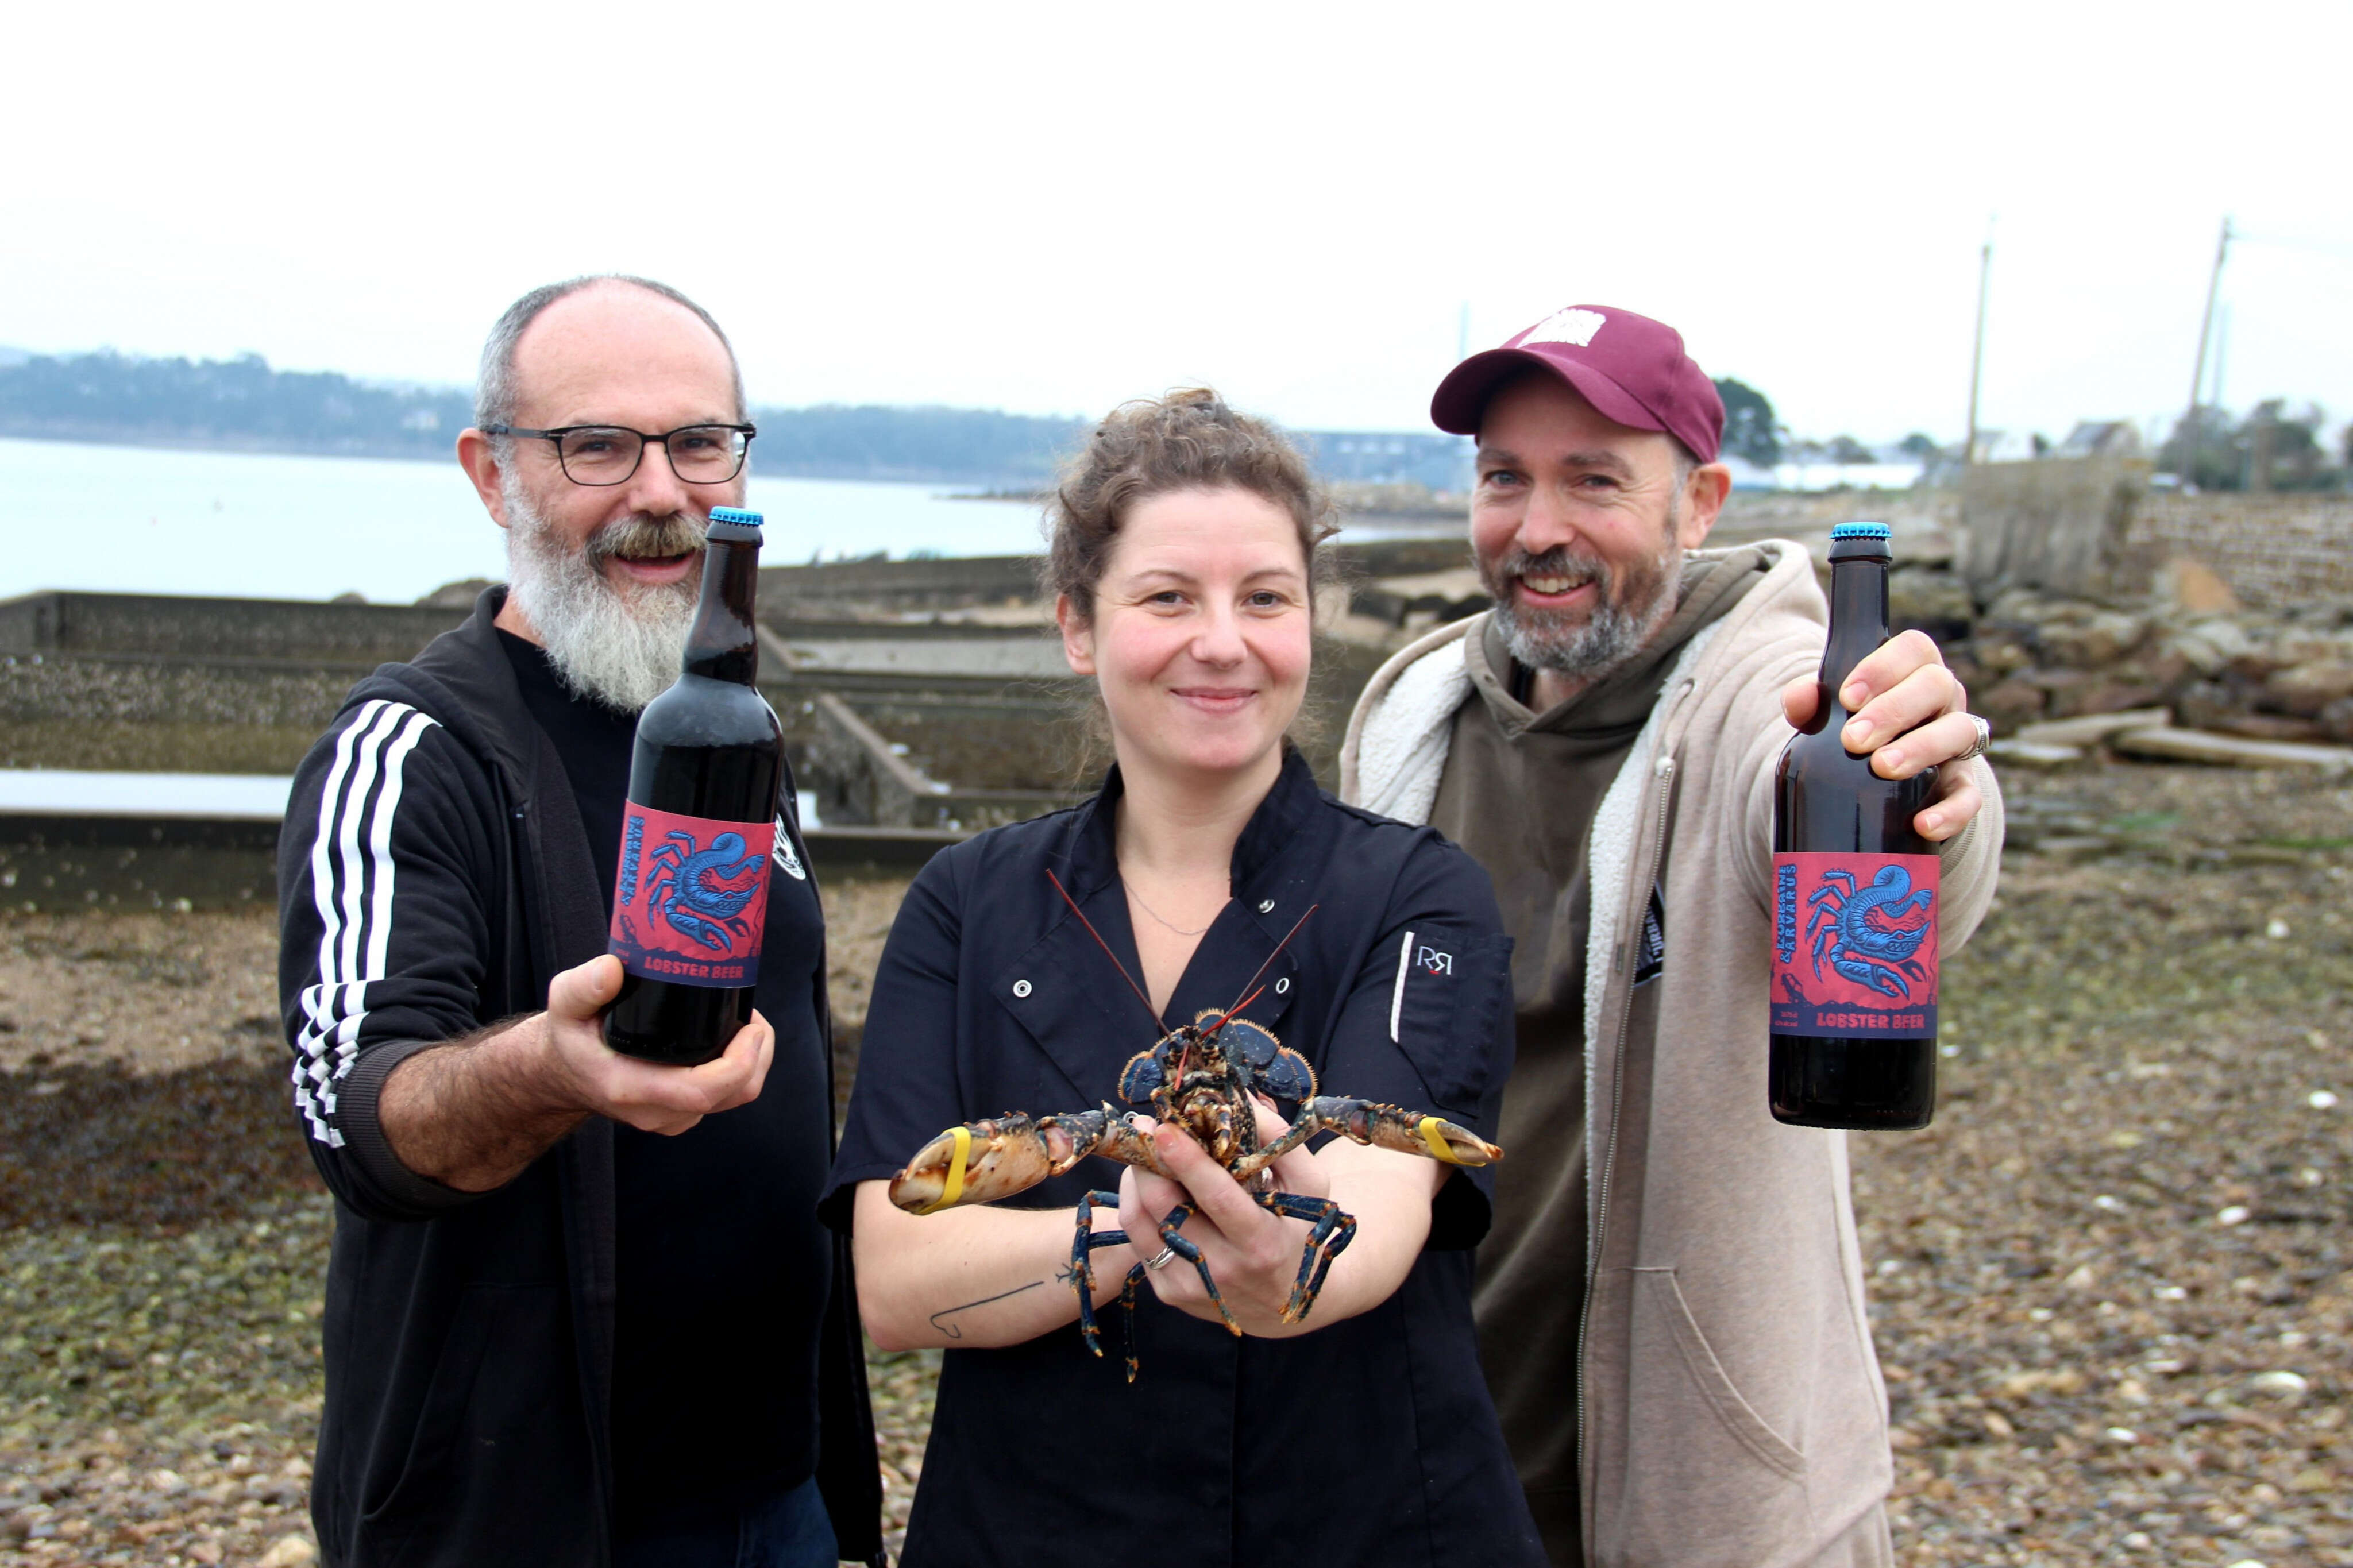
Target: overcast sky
[(1050, 207)]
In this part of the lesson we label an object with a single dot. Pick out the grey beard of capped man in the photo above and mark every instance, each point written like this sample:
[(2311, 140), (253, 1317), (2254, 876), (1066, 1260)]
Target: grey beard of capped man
[(1634, 604), (1670, 1315)]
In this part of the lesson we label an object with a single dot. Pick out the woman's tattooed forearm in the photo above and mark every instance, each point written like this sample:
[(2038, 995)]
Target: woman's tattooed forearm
[(950, 1330)]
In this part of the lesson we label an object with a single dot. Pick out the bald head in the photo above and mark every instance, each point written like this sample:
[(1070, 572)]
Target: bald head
[(559, 339)]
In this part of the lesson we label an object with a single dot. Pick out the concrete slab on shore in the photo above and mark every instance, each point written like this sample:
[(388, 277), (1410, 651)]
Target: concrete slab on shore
[(124, 842), (67, 792)]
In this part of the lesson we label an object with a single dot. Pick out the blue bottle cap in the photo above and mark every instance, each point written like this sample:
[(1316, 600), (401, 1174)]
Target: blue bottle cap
[(1843, 530), (752, 519)]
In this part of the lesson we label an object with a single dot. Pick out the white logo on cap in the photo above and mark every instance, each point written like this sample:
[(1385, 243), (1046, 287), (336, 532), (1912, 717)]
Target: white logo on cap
[(1570, 326)]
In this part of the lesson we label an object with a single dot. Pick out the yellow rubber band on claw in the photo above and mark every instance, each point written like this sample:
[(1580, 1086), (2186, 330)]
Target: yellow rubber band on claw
[(955, 1188), (1440, 1148)]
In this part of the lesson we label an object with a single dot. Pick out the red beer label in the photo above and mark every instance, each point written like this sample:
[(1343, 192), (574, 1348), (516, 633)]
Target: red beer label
[(1854, 945), (691, 897)]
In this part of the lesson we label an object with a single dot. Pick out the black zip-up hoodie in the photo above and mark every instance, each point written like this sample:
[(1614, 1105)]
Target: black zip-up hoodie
[(468, 1337)]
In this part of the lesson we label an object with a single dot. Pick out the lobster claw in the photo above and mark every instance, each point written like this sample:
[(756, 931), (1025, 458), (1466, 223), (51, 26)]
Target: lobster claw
[(982, 1161), (1406, 1133), (1453, 1145)]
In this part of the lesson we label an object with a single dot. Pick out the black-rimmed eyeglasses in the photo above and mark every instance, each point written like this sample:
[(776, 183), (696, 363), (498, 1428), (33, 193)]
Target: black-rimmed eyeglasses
[(609, 454)]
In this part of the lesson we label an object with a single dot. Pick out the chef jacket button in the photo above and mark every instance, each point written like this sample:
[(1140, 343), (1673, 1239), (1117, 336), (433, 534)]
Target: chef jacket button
[(1267, 908), (1283, 986), (1021, 988)]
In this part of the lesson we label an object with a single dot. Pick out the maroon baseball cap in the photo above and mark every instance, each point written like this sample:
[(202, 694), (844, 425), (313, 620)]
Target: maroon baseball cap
[(1632, 368)]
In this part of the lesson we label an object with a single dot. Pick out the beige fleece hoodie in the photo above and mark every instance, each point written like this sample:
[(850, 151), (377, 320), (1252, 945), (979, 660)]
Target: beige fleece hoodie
[(1732, 1411)]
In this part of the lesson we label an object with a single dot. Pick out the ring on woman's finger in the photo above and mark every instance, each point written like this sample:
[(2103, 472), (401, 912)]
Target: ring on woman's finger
[(1976, 747), (1156, 1263)]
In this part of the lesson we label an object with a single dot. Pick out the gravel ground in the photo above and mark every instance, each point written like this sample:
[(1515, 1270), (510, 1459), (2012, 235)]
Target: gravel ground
[(2111, 1285), (156, 993), (164, 1240)]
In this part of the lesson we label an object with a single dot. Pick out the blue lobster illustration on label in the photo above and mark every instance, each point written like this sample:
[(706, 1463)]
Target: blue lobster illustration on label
[(689, 887), (694, 905), (1856, 929)]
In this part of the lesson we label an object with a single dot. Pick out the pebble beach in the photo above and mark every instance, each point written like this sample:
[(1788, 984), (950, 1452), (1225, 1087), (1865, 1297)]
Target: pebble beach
[(2112, 1286)]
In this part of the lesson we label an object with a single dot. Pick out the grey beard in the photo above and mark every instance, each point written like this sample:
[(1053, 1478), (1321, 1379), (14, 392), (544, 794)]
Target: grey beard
[(617, 646), (1612, 632)]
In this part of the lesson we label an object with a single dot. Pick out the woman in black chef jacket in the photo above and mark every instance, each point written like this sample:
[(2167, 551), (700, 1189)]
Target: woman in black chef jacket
[(1183, 563)]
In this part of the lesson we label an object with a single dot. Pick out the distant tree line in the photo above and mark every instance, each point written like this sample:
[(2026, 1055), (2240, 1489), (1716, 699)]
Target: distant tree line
[(238, 403), (873, 442), (1752, 433), (2270, 448), (243, 404)]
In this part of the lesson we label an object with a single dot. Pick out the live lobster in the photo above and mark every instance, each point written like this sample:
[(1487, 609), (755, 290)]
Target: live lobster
[(1201, 1077)]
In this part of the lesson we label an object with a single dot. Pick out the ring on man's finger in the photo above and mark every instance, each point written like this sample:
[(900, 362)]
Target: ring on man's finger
[(1156, 1263), (1985, 737)]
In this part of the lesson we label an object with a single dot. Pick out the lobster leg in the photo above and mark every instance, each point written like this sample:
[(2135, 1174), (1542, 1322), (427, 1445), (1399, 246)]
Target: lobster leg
[(1825, 945), (1116, 1138), (1082, 1274), (1335, 1228), (1192, 1254)]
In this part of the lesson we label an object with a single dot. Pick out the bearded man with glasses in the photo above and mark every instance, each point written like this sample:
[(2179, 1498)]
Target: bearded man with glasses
[(580, 1310)]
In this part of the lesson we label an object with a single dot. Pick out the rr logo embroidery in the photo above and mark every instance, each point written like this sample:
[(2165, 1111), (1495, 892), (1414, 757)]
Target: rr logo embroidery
[(1437, 963)]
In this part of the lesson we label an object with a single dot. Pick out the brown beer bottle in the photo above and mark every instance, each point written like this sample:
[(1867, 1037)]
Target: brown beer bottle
[(1856, 898), (690, 898)]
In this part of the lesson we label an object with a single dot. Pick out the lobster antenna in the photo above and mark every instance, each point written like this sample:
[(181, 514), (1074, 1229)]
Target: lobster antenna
[(1115, 963), (1247, 995), (1237, 1007)]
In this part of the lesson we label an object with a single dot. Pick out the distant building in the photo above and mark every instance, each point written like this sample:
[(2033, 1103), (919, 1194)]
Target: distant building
[(2090, 438), (1900, 476), (1390, 457), (1810, 469), (2100, 438), (2008, 446)]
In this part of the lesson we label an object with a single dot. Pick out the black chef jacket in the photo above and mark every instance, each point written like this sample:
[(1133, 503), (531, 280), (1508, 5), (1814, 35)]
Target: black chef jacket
[(1368, 1441)]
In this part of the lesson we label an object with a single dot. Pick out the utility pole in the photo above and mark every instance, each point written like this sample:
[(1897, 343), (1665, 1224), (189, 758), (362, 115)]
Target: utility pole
[(2221, 360), (1977, 353), (2187, 466)]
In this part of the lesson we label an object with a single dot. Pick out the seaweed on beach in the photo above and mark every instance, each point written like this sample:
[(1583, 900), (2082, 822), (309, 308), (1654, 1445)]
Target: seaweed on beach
[(97, 1144)]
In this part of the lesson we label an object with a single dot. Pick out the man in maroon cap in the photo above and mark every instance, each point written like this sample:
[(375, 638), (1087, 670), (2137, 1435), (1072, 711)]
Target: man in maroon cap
[(1670, 1302)]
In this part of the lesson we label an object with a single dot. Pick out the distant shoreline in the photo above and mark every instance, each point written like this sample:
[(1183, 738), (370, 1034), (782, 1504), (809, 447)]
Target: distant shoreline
[(84, 435), (170, 441)]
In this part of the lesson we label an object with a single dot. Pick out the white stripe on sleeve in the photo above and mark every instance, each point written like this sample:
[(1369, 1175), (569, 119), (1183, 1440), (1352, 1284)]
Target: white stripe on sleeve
[(1396, 997), (354, 896)]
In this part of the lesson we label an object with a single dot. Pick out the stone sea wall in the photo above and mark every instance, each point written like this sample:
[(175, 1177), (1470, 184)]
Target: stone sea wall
[(2274, 551), (2096, 528), (159, 715)]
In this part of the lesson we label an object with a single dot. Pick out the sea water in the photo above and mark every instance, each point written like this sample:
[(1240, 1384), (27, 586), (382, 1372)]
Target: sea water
[(257, 525)]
